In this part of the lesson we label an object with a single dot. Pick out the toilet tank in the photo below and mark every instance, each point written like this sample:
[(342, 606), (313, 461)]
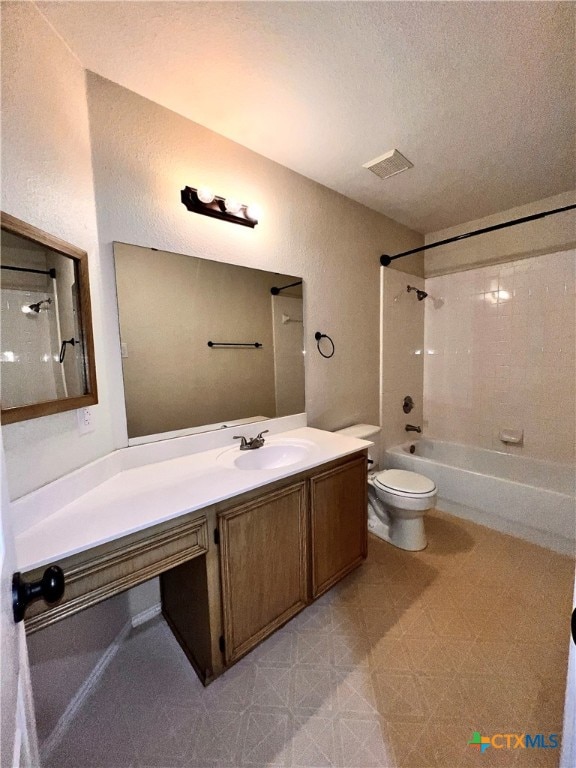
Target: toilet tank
[(365, 432)]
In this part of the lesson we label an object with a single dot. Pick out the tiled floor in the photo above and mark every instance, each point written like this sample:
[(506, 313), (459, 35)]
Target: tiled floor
[(396, 667)]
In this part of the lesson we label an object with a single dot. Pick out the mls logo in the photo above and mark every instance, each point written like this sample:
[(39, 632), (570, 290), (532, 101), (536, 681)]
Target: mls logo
[(479, 742)]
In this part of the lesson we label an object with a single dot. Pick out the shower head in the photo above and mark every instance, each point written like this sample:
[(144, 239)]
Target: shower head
[(36, 307), (420, 294)]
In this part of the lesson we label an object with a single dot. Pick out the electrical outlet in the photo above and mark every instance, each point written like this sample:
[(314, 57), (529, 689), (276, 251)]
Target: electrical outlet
[(85, 423)]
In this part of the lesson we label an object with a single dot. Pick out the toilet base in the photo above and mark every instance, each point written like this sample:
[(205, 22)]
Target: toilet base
[(407, 534)]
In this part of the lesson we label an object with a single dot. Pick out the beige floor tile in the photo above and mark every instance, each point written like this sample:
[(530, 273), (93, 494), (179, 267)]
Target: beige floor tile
[(362, 744), (451, 623), (390, 654), (382, 623), (446, 697), (266, 740), (350, 651), (417, 622), (487, 657), (442, 656), (395, 667), (400, 697), (355, 693), (315, 743), (401, 737)]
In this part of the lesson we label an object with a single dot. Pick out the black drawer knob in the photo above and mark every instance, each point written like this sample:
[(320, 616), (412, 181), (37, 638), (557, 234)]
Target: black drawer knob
[(50, 588)]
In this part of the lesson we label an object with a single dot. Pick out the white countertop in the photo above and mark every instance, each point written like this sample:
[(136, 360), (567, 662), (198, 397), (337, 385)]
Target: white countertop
[(140, 497)]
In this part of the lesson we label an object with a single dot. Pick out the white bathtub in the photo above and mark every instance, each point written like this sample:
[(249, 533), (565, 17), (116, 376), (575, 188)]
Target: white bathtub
[(532, 499)]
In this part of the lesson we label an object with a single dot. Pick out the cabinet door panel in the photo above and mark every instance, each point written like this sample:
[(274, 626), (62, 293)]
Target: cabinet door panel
[(339, 523), (264, 566)]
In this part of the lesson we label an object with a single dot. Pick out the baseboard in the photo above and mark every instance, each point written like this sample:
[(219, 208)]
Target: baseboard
[(79, 698), (147, 615)]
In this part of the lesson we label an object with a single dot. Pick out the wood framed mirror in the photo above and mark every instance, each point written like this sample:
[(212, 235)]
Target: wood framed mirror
[(47, 350)]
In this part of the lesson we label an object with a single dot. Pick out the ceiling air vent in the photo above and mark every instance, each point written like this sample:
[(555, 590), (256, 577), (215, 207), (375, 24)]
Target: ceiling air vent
[(390, 164)]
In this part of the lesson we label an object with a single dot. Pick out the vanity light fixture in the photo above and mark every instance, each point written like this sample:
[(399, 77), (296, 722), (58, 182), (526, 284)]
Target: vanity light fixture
[(204, 201)]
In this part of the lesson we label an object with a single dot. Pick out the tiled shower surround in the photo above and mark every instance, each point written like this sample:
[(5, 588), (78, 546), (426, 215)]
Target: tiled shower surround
[(402, 359), (500, 355)]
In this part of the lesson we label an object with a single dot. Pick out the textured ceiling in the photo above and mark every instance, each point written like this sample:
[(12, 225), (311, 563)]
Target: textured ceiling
[(480, 96)]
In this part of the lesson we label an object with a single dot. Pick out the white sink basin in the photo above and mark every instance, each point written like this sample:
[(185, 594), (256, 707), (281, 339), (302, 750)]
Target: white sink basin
[(272, 455)]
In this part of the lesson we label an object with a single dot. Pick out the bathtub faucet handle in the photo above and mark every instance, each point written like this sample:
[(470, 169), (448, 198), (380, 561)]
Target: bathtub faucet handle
[(412, 428)]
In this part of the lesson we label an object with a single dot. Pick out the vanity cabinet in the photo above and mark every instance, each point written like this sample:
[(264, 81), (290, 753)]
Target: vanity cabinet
[(264, 566), (339, 531), (233, 572), (284, 546)]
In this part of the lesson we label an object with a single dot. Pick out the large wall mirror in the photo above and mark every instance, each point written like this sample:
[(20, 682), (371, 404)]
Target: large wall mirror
[(205, 343), (47, 356)]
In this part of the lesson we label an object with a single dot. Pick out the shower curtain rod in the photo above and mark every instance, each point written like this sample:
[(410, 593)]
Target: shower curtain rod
[(51, 272), (386, 260), (276, 291)]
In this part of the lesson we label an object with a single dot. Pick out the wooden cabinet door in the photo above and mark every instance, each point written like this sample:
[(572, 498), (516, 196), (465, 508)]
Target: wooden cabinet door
[(264, 566), (339, 524)]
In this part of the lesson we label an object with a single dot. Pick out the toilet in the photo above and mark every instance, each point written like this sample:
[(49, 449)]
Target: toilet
[(397, 499), (397, 503)]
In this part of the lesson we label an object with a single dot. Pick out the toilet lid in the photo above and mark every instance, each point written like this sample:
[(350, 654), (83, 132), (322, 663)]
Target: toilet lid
[(404, 482)]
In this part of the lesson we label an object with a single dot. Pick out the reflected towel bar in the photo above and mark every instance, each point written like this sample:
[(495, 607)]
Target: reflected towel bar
[(235, 344)]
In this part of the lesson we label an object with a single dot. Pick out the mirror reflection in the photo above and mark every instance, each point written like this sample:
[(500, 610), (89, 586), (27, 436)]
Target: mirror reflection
[(43, 356), (171, 306)]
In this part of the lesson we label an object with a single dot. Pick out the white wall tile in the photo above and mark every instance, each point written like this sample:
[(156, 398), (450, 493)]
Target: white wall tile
[(402, 355), (504, 355)]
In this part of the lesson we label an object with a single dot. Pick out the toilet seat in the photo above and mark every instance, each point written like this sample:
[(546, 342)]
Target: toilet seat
[(400, 482)]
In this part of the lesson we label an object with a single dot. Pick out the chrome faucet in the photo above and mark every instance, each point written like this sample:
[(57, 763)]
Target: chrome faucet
[(412, 428), (248, 444)]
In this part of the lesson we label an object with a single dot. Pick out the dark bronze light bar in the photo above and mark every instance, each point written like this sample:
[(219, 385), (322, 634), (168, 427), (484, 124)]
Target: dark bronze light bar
[(216, 208)]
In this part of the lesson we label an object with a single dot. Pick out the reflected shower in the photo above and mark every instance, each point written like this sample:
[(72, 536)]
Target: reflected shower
[(421, 294)]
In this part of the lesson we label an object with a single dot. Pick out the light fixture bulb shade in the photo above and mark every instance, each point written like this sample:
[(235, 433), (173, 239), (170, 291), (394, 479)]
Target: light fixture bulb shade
[(205, 195), (232, 205), (253, 212)]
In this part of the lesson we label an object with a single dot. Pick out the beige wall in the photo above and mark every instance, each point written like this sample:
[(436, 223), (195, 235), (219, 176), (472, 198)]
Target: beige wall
[(501, 356), (402, 355), (47, 181), (144, 154), (548, 235)]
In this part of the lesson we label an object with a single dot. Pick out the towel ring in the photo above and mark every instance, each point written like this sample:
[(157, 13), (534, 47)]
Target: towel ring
[(319, 336)]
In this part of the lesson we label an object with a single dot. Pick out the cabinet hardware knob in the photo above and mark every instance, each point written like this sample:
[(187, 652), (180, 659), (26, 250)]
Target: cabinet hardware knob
[(50, 588)]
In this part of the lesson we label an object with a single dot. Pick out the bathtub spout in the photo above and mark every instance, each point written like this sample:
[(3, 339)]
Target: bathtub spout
[(412, 428)]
